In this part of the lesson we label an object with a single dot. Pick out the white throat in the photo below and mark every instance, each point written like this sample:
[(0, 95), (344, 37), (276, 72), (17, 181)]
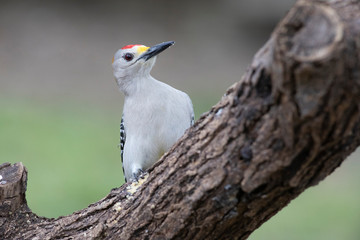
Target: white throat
[(136, 79)]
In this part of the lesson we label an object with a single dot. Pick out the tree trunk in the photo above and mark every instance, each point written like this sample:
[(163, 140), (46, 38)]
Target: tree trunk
[(287, 124)]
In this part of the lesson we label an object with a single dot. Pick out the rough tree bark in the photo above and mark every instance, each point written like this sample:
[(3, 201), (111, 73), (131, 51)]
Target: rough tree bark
[(286, 125)]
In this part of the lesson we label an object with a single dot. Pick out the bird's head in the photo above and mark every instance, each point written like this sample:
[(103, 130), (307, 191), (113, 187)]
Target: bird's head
[(135, 61)]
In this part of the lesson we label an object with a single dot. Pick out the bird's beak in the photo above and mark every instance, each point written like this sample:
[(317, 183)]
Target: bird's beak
[(155, 50)]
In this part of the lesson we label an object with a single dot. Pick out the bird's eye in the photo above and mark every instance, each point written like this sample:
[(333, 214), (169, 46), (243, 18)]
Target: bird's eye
[(128, 57)]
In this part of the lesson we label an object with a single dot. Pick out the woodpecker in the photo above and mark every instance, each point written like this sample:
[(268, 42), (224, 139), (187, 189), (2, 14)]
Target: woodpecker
[(155, 115)]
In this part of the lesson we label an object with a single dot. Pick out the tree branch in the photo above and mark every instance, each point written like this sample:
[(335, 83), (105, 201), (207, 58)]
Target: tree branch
[(286, 125)]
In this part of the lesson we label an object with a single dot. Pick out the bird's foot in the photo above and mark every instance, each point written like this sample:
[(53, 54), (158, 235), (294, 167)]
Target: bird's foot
[(139, 173)]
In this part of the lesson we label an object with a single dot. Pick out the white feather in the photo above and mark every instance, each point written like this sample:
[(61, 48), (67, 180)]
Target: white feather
[(155, 115)]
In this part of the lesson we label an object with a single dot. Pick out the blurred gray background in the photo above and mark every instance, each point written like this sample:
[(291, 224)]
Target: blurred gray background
[(57, 49), (60, 108)]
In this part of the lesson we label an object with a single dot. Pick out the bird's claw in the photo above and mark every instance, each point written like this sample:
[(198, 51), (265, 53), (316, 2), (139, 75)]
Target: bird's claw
[(139, 173)]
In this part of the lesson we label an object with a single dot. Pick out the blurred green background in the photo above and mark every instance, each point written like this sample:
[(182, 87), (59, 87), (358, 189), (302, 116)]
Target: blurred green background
[(60, 108)]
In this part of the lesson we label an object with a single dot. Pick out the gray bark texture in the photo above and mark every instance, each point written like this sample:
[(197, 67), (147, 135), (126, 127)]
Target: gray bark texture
[(287, 124)]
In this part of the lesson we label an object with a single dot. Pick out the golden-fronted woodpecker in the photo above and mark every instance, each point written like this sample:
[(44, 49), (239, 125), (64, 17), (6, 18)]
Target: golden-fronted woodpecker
[(155, 115)]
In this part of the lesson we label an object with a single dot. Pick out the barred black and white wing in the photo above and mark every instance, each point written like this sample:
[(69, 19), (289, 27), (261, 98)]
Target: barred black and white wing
[(192, 119), (122, 142)]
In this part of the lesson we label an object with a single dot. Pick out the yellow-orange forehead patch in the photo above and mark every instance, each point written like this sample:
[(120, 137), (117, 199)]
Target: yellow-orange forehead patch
[(142, 49)]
